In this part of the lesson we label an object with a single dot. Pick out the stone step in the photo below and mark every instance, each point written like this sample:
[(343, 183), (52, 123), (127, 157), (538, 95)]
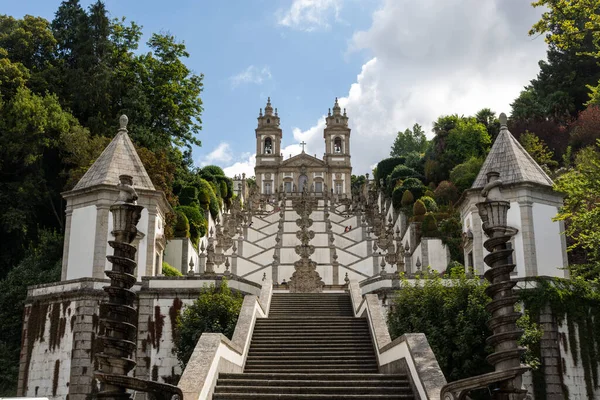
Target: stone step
[(309, 389), (315, 334), (316, 382), (277, 396), (310, 353), (314, 376), (309, 369), (300, 358)]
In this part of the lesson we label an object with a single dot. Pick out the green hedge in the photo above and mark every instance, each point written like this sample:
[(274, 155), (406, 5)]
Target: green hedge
[(182, 224), (197, 221), (168, 270), (215, 310)]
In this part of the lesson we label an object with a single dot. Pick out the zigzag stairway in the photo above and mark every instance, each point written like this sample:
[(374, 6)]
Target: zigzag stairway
[(311, 347)]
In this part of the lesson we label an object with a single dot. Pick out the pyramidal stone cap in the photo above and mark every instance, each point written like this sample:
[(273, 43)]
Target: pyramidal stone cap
[(511, 161), (118, 158)]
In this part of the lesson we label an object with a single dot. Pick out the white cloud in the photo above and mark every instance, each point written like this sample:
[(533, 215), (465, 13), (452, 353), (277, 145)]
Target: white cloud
[(219, 156), (245, 165), (252, 74), (309, 15), (431, 58)]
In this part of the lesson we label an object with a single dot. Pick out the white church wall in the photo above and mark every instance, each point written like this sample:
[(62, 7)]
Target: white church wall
[(81, 242), (326, 273), (548, 241)]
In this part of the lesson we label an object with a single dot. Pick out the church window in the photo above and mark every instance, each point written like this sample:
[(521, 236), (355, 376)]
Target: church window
[(337, 120), (268, 146), (267, 188), (337, 145), (318, 187), (288, 187), (268, 120), (338, 188)]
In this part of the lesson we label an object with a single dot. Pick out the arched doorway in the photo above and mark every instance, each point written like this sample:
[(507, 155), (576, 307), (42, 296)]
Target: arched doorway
[(302, 181)]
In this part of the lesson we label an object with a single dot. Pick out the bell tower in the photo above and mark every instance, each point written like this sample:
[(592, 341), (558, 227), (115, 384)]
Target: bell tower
[(268, 137), (268, 149), (337, 137), (337, 149)]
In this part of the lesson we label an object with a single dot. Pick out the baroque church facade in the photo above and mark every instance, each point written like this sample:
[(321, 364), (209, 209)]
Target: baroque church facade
[(275, 174)]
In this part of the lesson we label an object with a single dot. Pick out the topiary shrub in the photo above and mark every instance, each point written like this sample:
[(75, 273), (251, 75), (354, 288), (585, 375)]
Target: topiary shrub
[(430, 203), (419, 211), (415, 186), (216, 310), (400, 173), (182, 225), (398, 198), (169, 270), (446, 193), (429, 192), (198, 224), (188, 196), (407, 198), (429, 226)]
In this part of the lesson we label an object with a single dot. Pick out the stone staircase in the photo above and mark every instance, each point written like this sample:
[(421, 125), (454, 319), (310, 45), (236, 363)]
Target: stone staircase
[(311, 347)]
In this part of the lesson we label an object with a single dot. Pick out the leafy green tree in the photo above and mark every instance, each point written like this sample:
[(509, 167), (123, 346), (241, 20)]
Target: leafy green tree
[(409, 141), (457, 140), (488, 118), (216, 310), (586, 129), (42, 264), (581, 210), (357, 182), (538, 149), (413, 185), (463, 175), (452, 316), (572, 30)]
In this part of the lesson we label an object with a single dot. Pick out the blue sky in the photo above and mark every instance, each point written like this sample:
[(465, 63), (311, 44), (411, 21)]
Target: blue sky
[(391, 62)]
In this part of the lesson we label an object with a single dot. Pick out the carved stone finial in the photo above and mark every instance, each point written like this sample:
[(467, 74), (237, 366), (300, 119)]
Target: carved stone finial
[(123, 120), (346, 279), (264, 278), (503, 120)]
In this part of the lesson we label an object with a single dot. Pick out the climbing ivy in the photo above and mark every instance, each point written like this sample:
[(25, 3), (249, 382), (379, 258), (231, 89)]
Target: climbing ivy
[(576, 303)]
